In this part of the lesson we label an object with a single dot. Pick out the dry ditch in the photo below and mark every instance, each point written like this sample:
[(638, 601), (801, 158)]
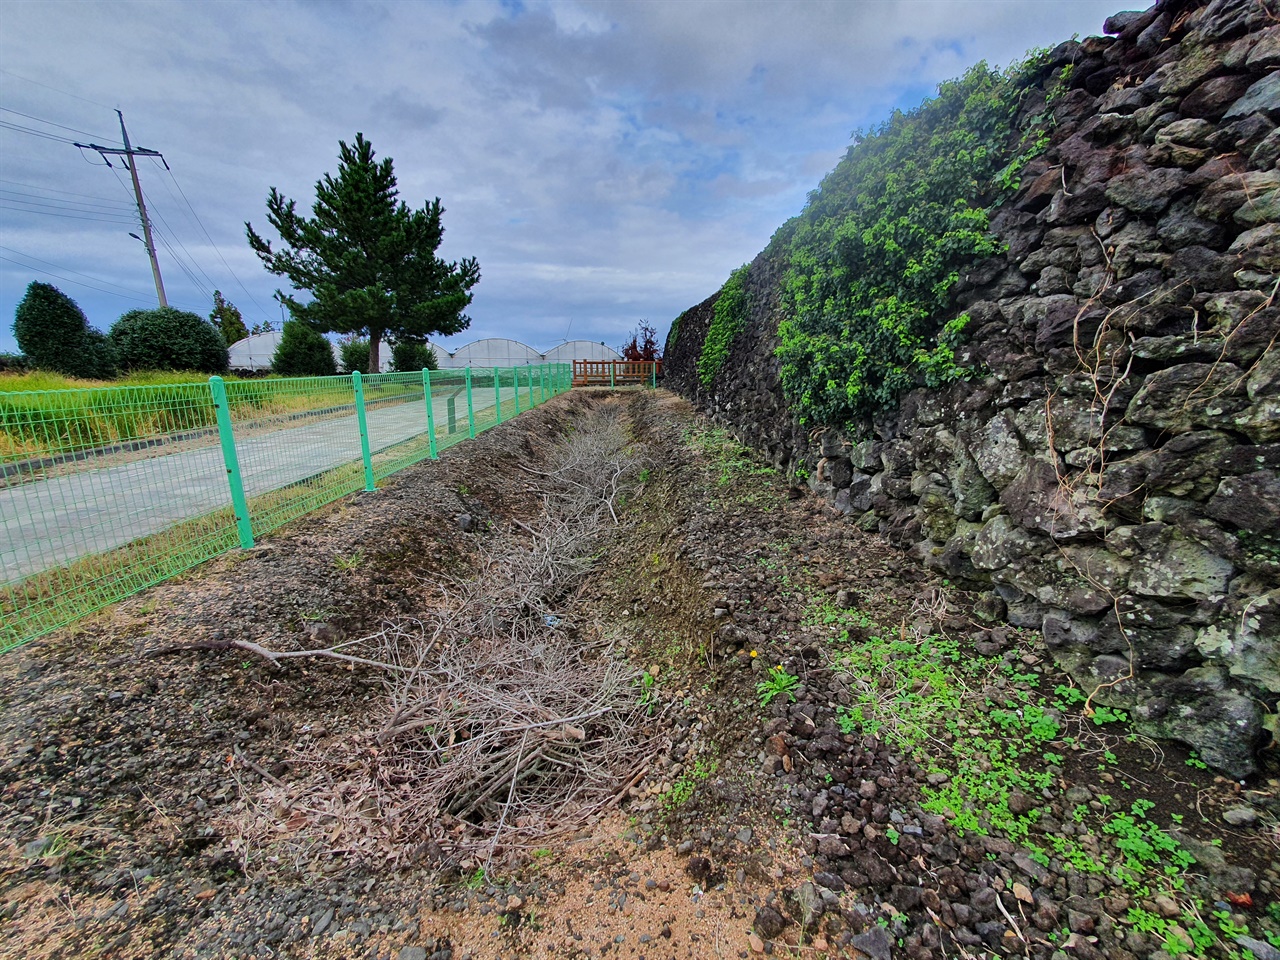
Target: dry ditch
[(207, 802)]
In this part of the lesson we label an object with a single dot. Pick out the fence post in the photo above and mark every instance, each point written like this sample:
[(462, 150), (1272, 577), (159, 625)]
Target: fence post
[(530, 369), (654, 371), (239, 505), (471, 409), (613, 369), (515, 387), (431, 415), (497, 396), (358, 383)]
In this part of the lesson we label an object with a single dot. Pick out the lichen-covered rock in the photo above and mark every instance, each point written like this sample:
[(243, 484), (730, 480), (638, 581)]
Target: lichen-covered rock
[(1248, 640), (1180, 227), (1226, 194), (1250, 502), (936, 512), (1189, 465), (1189, 395), (1224, 726), (1081, 580), (1263, 96), (1146, 192), (1040, 499), (1259, 247), (996, 448), (1178, 567), (1001, 541)]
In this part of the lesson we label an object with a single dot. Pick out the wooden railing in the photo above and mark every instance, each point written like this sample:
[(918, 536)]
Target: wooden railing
[(616, 373)]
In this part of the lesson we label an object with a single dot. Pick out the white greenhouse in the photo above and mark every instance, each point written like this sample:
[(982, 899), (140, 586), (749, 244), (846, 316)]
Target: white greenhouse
[(256, 351)]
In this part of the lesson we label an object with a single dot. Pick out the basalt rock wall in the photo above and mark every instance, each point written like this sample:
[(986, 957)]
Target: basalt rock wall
[(1111, 469)]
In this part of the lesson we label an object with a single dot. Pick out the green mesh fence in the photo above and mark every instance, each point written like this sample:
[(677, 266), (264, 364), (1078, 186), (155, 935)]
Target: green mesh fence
[(106, 491)]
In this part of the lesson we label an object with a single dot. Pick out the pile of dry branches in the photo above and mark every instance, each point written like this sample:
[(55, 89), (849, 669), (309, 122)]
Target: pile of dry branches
[(503, 723)]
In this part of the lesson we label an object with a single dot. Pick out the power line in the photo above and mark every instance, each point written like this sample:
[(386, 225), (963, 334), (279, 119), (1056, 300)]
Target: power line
[(9, 125), (58, 276), (66, 216), (234, 275), (67, 193), (17, 196), (16, 76), (194, 264), (182, 264), (174, 234), (54, 204), (51, 123), (49, 263)]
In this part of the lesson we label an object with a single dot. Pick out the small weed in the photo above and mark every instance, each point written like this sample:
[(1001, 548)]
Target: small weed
[(477, 879), (1101, 715), (648, 691), (777, 683), (351, 561), (685, 784)]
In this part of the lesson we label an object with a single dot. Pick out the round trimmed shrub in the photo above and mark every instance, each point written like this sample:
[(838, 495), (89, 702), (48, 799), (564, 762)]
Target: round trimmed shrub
[(355, 356), (303, 352), (409, 356), (168, 339), (54, 334)]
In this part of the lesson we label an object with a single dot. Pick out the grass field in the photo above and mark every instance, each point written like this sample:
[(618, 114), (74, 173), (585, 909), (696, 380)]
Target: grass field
[(48, 415)]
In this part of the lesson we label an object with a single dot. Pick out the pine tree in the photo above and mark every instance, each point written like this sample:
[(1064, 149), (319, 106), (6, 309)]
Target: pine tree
[(367, 258), (227, 318)]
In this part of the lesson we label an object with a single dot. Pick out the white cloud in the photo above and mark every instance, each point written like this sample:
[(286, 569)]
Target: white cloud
[(605, 162)]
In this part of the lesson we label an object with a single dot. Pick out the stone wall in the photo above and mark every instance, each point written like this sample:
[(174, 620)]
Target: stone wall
[(1112, 469)]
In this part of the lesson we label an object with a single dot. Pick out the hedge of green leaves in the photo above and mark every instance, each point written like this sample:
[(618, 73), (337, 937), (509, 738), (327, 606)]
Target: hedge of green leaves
[(729, 317), (875, 253)]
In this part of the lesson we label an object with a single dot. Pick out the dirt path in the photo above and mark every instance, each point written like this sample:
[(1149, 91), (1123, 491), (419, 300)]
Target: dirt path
[(864, 810)]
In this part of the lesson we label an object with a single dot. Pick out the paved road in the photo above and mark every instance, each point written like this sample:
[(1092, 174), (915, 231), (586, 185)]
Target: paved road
[(53, 522)]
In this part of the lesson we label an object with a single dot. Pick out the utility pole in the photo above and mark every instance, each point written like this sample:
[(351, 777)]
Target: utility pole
[(129, 153)]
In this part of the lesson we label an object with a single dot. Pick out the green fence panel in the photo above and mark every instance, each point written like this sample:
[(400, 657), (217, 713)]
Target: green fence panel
[(398, 427), (449, 397), (106, 491)]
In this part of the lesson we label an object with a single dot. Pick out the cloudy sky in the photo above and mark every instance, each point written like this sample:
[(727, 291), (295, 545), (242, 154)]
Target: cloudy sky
[(605, 162)]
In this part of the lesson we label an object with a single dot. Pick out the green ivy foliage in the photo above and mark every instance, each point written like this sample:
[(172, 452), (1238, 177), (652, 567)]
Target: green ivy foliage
[(875, 253), (729, 317), (673, 334)]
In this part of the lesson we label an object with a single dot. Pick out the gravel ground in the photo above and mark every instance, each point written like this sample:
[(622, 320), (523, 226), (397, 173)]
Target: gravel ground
[(133, 778)]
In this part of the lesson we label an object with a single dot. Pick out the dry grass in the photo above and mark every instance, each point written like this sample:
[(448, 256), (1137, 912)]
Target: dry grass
[(503, 721)]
